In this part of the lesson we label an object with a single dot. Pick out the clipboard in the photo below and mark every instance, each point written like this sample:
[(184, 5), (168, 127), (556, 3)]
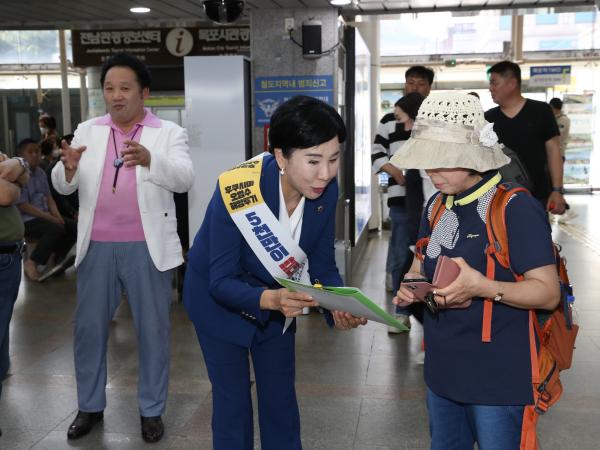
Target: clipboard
[(347, 299)]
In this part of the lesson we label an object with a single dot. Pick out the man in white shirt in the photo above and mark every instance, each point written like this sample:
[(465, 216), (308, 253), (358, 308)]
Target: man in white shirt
[(126, 165)]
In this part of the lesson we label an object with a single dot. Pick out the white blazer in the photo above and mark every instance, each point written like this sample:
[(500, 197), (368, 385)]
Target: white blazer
[(170, 171)]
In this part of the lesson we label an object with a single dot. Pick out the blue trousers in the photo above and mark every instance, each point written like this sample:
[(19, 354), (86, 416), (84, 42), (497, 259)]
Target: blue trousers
[(398, 249), (107, 269), (10, 279), (274, 370), (457, 426)]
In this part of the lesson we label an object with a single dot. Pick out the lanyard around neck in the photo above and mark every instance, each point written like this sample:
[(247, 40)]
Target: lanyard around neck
[(118, 162)]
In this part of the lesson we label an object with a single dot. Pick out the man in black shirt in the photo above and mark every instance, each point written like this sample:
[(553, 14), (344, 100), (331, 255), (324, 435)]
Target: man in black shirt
[(528, 127)]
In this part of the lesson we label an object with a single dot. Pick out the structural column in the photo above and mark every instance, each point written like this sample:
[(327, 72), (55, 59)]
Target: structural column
[(96, 106), (517, 38), (83, 96), (65, 97), (274, 54), (369, 30)]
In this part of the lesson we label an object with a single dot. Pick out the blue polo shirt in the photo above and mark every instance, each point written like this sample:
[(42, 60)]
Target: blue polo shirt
[(36, 192), (458, 365)]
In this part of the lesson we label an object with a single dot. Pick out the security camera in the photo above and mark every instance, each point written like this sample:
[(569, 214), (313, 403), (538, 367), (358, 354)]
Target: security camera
[(223, 11)]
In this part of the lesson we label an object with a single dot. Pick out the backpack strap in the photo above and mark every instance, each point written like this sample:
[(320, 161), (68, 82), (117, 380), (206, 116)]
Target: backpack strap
[(561, 266), (529, 439), (497, 248), (437, 210), (530, 413)]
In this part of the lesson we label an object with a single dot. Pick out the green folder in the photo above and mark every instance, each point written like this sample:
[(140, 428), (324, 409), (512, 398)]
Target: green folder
[(348, 299)]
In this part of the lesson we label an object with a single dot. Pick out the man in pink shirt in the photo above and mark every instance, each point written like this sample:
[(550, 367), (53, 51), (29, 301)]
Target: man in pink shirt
[(126, 165)]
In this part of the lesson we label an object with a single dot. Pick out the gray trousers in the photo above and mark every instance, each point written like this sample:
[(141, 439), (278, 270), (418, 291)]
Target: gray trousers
[(107, 269)]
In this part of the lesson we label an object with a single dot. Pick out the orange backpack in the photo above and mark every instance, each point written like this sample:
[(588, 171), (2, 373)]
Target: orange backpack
[(554, 331)]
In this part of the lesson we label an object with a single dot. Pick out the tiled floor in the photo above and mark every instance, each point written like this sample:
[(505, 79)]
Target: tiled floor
[(357, 390)]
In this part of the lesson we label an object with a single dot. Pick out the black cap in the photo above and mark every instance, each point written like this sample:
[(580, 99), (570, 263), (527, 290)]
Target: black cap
[(410, 104)]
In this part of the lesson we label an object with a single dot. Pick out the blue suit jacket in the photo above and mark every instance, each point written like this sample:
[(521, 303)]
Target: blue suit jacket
[(224, 279)]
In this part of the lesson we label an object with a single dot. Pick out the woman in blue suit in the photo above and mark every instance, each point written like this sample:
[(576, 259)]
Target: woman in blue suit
[(230, 295)]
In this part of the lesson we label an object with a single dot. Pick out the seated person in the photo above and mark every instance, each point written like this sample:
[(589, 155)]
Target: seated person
[(50, 152), (42, 220)]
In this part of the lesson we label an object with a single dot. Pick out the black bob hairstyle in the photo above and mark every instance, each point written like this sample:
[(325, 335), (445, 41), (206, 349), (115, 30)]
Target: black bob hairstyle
[(304, 122), (126, 60)]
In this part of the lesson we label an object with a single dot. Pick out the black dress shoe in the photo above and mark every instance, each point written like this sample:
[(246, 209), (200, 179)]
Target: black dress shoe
[(152, 428), (83, 424)]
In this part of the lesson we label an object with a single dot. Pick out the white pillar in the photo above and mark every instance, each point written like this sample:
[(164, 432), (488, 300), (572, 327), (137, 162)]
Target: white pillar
[(83, 97), (369, 31), (66, 105), (96, 106), (516, 37)]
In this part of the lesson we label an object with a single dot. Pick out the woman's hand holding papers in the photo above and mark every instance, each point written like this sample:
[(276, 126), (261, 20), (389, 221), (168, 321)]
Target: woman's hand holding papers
[(346, 321), (289, 303)]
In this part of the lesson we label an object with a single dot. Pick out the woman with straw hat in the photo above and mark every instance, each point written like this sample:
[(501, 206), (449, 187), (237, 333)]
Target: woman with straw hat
[(476, 391)]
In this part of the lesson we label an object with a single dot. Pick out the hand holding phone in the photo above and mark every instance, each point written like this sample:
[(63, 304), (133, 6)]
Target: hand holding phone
[(420, 287), (422, 290)]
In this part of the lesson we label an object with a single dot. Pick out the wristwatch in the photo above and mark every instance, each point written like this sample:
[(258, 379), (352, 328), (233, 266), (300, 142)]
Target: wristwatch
[(24, 164), (559, 189), (498, 297)]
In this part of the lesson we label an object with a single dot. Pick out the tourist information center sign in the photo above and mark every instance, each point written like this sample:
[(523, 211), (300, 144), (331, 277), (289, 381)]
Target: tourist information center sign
[(159, 46)]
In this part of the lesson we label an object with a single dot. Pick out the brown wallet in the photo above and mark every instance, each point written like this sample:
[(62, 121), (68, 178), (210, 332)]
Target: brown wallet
[(445, 273)]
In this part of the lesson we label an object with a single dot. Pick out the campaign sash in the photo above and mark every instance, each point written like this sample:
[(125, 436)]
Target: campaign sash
[(272, 244)]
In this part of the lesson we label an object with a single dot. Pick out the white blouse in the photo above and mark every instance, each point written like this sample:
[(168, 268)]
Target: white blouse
[(294, 222)]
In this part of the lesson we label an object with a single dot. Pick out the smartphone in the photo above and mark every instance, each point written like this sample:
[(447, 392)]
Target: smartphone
[(420, 287)]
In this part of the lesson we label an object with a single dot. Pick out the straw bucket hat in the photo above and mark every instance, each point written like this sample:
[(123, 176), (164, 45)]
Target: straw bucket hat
[(450, 132)]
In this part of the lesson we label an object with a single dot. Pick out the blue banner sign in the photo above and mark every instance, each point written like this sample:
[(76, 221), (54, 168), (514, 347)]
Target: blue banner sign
[(549, 76), (270, 92)]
